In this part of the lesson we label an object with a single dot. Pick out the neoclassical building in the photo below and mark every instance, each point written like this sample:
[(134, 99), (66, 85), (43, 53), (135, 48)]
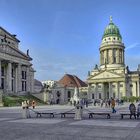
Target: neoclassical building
[(112, 78), (17, 74)]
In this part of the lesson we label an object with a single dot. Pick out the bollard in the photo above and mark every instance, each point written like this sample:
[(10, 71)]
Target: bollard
[(24, 110), (78, 112)]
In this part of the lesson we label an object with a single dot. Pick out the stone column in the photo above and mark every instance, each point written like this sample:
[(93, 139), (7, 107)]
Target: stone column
[(117, 56), (110, 90), (122, 56), (118, 91), (107, 56), (138, 89), (126, 92), (101, 58), (28, 80), (96, 89), (0, 73), (112, 56), (19, 86), (9, 77), (16, 79), (32, 81)]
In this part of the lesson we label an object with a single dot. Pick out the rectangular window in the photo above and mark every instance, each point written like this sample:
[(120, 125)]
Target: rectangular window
[(12, 72), (23, 85), (93, 96), (99, 86), (69, 94), (100, 96), (2, 83), (2, 71), (23, 74), (12, 85)]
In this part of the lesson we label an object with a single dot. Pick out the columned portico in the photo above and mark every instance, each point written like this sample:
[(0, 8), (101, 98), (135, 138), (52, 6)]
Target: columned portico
[(16, 72), (112, 73)]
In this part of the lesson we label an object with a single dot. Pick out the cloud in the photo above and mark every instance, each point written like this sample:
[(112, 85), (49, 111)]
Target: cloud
[(132, 46)]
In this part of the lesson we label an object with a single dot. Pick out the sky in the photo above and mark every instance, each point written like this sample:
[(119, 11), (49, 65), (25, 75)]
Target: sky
[(64, 36)]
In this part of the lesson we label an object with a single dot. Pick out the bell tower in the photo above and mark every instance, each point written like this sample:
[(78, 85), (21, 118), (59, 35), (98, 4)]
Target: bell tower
[(112, 48)]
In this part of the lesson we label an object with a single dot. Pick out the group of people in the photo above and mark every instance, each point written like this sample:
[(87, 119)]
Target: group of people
[(25, 108)]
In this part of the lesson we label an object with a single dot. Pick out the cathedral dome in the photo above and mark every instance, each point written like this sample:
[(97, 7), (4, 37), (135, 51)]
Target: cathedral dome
[(111, 30)]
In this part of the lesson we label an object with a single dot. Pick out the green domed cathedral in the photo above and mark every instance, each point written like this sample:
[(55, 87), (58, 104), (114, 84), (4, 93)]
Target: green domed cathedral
[(112, 78)]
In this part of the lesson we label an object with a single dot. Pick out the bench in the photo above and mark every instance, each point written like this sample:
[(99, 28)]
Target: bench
[(39, 114), (63, 115), (99, 113), (127, 114)]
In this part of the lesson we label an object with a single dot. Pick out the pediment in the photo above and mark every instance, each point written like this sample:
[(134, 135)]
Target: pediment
[(3, 32), (13, 52), (105, 75)]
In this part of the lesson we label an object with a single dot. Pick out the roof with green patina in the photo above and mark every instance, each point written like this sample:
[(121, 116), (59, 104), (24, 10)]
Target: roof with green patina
[(111, 30)]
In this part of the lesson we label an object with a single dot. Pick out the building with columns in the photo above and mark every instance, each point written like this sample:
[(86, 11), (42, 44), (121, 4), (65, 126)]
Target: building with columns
[(112, 78), (17, 74)]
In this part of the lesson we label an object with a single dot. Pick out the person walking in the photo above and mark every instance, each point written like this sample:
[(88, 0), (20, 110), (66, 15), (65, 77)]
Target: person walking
[(113, 106), (132, 109)]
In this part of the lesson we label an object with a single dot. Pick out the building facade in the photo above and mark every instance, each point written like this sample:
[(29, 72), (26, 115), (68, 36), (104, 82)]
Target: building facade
[(16, 72), (112, 78), (63, 90)]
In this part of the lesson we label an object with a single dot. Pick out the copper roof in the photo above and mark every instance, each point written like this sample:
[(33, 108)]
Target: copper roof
[(72, 81)]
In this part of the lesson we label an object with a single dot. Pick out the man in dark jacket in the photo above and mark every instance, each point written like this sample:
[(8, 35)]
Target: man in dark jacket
[(132, 109)]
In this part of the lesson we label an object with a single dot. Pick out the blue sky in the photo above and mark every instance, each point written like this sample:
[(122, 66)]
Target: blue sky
[(64, 36)]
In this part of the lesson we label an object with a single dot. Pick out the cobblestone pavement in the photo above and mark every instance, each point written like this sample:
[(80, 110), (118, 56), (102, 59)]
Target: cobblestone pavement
[(13, 127)]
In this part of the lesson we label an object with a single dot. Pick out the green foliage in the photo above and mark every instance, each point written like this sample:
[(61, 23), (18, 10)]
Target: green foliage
[(125, 98), (130, 99), (14, 100)]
